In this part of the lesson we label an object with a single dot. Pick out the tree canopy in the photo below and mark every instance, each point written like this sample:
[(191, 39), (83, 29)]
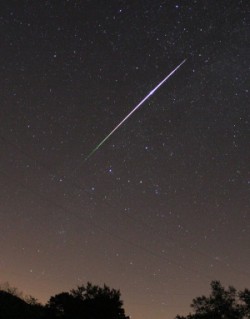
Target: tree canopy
[(84, 302), (94, 302), (88, 302), (221, 304)]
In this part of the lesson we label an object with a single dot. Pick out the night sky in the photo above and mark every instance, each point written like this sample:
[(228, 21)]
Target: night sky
[(163, 206)]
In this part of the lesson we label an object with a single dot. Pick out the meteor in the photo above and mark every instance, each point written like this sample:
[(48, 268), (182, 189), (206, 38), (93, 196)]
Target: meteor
[(134, 109)]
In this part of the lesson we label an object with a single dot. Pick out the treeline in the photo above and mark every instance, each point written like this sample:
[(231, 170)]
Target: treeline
[(85, 302), (94, 302), (221, 304)]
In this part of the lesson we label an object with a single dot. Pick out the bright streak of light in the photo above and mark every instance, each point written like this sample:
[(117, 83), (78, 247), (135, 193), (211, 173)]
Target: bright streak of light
[(135, 108)]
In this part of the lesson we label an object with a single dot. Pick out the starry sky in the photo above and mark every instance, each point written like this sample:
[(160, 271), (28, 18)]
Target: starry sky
[(163, 207)]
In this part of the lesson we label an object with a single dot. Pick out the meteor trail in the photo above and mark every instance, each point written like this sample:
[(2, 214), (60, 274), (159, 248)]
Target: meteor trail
[(136, 107)]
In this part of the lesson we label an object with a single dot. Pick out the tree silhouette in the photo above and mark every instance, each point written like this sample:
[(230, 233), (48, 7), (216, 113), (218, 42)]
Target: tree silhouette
[(88, 302), (64, 305), (13, 307), (221, 304), (245, 298)]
